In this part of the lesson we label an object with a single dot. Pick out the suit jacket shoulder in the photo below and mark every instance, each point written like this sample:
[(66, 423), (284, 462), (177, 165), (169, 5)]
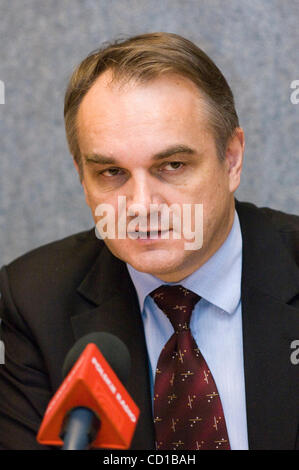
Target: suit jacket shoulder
[(288, 227), (284, 224)]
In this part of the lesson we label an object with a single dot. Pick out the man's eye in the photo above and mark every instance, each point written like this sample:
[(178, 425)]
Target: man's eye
[(172, 166), (111, 172)]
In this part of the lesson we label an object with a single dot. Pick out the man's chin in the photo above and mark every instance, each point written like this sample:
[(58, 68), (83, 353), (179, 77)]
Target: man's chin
[(159, 263), (157, 259)]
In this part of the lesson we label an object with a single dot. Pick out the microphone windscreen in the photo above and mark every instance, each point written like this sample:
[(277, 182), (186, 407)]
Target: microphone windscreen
[(113, 349)]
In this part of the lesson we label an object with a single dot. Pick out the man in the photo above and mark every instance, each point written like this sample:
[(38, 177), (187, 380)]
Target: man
[(151, 121)]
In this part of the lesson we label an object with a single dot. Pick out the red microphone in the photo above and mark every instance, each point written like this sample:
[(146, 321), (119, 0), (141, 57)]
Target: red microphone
[(91, 408)]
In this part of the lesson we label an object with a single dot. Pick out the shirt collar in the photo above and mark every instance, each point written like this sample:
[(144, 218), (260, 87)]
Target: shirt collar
[(218, 281)]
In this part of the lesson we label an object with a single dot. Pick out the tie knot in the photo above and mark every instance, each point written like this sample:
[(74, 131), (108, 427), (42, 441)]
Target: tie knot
[(177, 303)]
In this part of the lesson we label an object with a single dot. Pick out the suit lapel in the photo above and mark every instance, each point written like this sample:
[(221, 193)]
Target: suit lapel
[(269, 281), (109, 287)]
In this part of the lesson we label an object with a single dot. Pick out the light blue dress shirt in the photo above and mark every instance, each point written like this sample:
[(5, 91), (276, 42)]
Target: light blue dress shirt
[(216, 325)]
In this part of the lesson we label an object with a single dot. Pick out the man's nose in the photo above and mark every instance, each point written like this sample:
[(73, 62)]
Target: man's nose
[(144, 191)]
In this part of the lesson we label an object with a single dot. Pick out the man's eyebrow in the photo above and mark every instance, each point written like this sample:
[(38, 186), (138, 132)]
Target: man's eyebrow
[(168, 152), (173, 151), (97, 158)]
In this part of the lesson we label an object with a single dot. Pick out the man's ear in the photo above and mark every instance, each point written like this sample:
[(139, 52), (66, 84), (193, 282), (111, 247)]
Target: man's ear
[(80, 173), (234, 158)]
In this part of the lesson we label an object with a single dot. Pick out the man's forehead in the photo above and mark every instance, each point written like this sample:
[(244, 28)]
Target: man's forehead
[(107, 86), (144, 119), (165, 99)]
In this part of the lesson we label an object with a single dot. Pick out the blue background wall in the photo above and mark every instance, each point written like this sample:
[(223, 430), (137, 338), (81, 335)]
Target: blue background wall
[(255, 43)]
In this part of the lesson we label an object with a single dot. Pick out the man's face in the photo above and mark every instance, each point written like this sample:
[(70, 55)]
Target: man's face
[(150, 143)]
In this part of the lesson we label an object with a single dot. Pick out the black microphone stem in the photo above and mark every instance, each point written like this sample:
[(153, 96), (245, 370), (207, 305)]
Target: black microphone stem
[(80, 429)]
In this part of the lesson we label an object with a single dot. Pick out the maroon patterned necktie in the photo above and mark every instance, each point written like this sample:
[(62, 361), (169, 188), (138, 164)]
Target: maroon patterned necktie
[(188, 413)]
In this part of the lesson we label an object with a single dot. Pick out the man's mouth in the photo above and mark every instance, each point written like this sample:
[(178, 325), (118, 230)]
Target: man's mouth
[(150, 234)]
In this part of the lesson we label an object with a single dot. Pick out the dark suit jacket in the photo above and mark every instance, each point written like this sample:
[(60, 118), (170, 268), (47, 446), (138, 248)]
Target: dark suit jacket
[(66, 289)]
